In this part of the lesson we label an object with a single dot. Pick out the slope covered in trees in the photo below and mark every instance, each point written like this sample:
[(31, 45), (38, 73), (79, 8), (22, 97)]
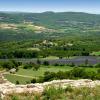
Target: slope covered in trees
[(55, 25)]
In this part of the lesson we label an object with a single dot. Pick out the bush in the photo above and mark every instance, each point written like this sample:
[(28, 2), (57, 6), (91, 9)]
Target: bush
[(10, 64), (38, 62), (97, 65), (52, 93), (31, 65), (49, 75), (46, 63), (90, 75), (98, 71), (33, 80), (78, 72), (17, 82), (36, 67), (40, 79), (72, 65), (56, 64), (28, 66), (14, 98)]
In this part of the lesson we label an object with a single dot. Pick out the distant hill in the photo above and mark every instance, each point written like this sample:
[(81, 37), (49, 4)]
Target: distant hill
[(65, 23), (51, 18)]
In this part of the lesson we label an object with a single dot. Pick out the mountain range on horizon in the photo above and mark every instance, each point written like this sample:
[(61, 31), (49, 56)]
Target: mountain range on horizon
[(48, 12)]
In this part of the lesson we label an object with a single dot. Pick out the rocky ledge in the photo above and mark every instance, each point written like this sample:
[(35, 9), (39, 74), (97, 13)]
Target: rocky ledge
[(8, 88)]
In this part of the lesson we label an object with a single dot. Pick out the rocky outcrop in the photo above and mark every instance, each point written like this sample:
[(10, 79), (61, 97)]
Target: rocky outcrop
[(2, 79), (9, 88)]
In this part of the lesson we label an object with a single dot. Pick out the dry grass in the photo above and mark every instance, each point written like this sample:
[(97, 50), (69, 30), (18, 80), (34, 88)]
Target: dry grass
[(68, 93)]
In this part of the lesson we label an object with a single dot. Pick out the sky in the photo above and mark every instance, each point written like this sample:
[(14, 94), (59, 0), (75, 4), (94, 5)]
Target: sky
[(89, 6)]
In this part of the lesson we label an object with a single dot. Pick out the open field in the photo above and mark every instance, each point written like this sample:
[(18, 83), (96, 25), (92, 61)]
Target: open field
[(40, 72), (50, 58), (25, 75), (96, 53), (55, 58), (14, 78)]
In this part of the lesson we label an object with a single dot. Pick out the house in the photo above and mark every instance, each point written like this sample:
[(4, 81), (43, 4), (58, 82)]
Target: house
[(13, 70)]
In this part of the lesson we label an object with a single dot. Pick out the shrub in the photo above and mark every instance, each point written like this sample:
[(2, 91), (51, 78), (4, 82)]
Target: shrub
[(98, 71), (33, 80), (90, 75), (49, 75), (56, 64), (36, 67), (14, 98), (17, 82), (78, 72), (72, 65), (38, 62), (40, 79), (31, 65), (28, 66), (97, 65), (46, 63), (52, 93), (86, 62)]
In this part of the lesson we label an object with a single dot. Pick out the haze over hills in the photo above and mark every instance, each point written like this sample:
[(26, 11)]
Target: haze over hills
[(46, 17), (20, 26)]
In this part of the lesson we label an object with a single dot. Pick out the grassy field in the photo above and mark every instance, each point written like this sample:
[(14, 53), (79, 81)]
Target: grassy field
[(34, 49), (14, 78), (25, 75), (40, 72), (50, 58), (54, 57), (96, 53)]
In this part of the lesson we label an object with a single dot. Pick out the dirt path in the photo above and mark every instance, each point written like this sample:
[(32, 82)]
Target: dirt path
[(23, 76), (5, 73)]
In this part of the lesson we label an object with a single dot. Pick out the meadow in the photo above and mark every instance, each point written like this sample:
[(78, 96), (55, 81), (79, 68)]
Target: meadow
[(25, 76), (96, 53)]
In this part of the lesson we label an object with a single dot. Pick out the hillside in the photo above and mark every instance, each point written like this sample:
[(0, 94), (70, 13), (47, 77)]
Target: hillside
[(51, 18), (22, 26)]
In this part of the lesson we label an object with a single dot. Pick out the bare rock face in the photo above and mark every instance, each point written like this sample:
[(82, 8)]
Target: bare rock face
[(8, 88), (73, 83), (2, 80)]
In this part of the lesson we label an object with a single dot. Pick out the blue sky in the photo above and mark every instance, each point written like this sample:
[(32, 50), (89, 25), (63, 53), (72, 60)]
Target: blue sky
[(90, 6)]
